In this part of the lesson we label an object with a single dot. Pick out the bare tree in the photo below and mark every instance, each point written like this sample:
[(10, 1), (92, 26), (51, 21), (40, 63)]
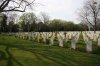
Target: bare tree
[(44, 17), (27, 21), (12, 17), (15, 5), (90, 13)]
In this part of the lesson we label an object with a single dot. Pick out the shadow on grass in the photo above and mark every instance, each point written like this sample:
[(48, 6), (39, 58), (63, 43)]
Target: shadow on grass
[(37, 54), (11, 59), (59, 58), (2, 55), (49, 58)]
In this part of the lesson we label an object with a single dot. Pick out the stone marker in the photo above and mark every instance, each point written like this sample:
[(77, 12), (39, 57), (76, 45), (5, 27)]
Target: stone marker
[(98, 41), (73, 44), (60, 39), (89, 46)]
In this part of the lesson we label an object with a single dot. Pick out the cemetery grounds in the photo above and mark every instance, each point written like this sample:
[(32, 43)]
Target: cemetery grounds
[(50, 49)]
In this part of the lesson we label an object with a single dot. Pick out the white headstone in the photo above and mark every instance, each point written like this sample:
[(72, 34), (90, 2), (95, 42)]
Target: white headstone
[(60, 39), (89, 46), (94, 37), (98, 41), (73, 44)]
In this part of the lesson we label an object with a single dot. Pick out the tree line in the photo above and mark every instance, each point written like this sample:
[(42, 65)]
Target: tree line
[(29, 22)]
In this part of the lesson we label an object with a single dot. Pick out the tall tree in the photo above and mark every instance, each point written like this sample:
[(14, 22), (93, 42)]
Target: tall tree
[(56, 25), (44, 17), (91, 13), (3, 22), (12, 18), (27, 21)]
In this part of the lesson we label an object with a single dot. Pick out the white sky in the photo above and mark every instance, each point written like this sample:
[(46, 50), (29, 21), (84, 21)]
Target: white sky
[(60, 9)]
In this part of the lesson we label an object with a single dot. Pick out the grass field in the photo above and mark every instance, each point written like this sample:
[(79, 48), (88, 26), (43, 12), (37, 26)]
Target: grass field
[(19, 52)]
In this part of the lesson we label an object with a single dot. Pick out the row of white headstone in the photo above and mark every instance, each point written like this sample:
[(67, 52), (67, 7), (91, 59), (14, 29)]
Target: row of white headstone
[(88, 37), (60, 36), (88, 43)]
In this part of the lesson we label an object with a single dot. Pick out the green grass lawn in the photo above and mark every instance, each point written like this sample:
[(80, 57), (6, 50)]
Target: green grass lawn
[(19, 52)]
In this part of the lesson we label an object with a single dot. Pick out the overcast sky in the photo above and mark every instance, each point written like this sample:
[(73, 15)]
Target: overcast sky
[(60, 9)]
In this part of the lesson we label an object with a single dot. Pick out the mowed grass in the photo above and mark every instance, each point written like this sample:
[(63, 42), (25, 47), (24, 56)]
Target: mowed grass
[(19, 52)]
